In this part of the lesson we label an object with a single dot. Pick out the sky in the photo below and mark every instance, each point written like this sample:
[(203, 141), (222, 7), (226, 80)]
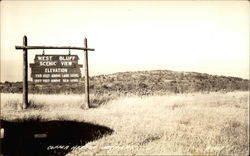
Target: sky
[(201, 36)]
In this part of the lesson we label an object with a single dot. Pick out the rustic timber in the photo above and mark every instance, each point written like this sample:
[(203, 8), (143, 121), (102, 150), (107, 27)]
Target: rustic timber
[(53, 47), (25, 74), (86, 74)]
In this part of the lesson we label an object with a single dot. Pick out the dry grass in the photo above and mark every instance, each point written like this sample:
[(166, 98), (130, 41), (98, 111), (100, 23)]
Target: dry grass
[(183, 124)]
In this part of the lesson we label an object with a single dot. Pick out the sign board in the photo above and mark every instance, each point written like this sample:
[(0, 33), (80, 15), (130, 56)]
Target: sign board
[(56, 69)]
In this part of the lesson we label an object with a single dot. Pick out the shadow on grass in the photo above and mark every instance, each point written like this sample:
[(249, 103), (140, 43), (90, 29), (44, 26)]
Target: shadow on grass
[(47, 138)]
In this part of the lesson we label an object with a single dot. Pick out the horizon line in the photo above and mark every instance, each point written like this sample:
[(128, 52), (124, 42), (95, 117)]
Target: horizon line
[(145, 71)]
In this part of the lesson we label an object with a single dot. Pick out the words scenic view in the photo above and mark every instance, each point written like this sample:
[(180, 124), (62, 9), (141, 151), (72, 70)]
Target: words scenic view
[(124, 78)]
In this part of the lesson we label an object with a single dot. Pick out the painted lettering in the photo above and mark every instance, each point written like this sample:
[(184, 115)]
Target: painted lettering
[(47, 63), (46, 75), (65, 75), (37, 80), (38, 75), (44, 58), (65, 80), (55, 75), (46, 80), (74, 75), (56, 70), (55, 80), (74, 80), (67, 58), (66, 63)]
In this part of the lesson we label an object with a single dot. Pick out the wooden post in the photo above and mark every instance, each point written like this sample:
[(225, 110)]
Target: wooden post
[(25, 74), (87, 105)]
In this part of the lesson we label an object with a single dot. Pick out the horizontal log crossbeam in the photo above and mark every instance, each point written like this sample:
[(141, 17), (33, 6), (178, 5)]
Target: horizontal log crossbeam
[(52, 47)]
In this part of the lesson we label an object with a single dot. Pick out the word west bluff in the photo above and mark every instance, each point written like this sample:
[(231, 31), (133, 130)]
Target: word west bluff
[(63, 61), (61, 58)]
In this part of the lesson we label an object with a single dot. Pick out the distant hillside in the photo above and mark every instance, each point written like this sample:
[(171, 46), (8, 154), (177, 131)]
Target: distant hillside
[(140, 82)]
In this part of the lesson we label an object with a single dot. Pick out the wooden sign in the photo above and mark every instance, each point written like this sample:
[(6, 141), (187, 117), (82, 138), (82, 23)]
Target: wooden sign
[(56, 69)]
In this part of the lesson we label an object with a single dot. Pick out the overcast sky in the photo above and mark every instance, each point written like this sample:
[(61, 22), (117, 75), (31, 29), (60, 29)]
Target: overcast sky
[(202, 36)]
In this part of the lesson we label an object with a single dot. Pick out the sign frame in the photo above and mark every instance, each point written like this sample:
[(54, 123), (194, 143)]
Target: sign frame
[(25, 49)]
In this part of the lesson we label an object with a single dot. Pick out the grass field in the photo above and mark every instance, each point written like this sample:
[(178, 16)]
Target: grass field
[(176, 124)]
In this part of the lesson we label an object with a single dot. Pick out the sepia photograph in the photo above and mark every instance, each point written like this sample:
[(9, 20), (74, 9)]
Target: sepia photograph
[(129, 77)]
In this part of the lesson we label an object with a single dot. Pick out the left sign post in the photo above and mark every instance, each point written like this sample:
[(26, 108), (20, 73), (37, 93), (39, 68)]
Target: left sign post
[(24, 105)]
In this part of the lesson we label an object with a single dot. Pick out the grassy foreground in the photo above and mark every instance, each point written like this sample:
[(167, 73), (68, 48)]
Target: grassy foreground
[(175, 124)]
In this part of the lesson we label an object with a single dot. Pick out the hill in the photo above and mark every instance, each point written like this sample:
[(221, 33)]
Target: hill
[(140, 82)]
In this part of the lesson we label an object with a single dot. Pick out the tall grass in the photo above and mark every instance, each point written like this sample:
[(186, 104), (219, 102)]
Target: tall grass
[(176, 124)]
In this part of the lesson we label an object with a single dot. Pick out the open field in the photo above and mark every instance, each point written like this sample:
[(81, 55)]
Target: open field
[(176, 124)]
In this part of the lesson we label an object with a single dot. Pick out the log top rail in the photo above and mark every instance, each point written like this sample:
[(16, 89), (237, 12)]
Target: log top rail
[(53, 47)]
